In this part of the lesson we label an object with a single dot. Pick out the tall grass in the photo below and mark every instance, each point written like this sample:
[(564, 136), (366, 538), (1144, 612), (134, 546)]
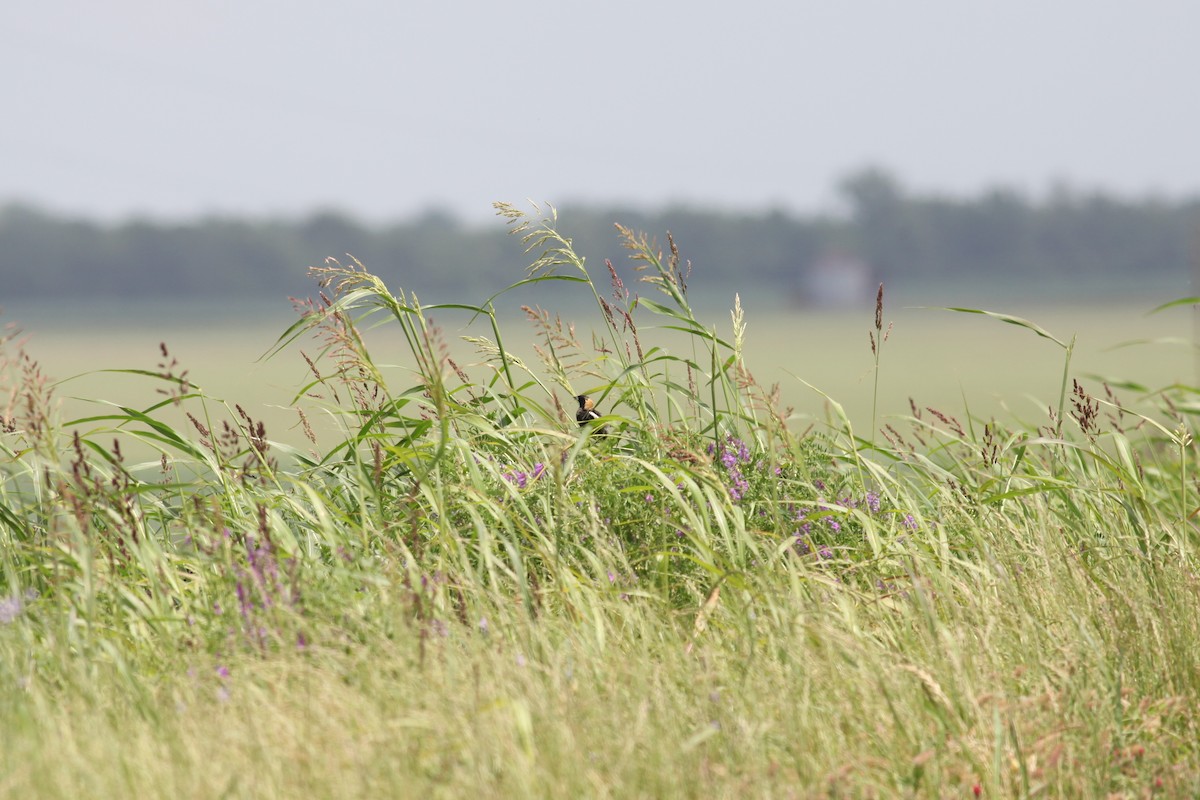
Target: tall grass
[(465, 591)]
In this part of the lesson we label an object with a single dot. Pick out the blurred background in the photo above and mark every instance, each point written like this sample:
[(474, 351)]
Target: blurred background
[(172, 169)]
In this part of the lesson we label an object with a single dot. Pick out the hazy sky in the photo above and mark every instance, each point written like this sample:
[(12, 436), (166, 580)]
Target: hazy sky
[(180, 107)]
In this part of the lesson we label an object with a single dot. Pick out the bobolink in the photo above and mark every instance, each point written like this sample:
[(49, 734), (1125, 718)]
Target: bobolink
[(587, 413)]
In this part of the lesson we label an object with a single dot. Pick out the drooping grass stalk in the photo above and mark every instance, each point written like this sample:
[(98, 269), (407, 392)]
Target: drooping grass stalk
[(557, 251), (1067, 347)]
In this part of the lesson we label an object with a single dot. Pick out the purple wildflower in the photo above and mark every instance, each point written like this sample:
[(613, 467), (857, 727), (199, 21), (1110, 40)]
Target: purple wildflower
[(245, 604), (10, 609), (15, 606), (873, 502), (740, 485)]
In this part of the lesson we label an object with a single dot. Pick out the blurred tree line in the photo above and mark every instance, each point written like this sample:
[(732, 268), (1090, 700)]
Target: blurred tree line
[(1062, 240)]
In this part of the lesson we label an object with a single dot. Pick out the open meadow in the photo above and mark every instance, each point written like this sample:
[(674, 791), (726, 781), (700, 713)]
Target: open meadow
[(958, 363), (405, 567)]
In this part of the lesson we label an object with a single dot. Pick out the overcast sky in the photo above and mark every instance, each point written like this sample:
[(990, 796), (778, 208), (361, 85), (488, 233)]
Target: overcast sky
[(175, 108)]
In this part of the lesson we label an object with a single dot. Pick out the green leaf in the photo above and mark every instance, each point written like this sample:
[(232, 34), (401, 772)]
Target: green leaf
[(1008, 318), (1183, 301)]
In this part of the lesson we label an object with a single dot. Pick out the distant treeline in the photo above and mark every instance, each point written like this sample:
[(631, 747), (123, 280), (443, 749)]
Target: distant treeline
[(1062, 239)]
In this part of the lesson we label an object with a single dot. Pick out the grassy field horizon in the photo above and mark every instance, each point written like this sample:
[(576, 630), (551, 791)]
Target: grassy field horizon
[(961, 364)]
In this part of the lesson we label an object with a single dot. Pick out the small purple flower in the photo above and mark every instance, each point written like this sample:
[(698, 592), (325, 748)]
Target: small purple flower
[(649, 498), (517, 477), (244, 602), (11, 608), (223, 672), (825, 552), (909, 522), (742, 484), (873, 502), (834, 525)]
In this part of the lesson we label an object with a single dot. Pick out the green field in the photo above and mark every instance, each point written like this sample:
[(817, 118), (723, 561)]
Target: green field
[(458, 590), (957, 363)]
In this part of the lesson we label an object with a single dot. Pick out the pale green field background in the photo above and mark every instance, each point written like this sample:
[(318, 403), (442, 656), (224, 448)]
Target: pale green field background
[(947, 360)]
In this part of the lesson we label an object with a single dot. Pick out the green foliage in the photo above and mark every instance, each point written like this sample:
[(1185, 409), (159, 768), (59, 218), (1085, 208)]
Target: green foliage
[(1067, 245), (469, 591)]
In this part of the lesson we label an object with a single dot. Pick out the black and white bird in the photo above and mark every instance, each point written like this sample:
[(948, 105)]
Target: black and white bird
[(587, 413)]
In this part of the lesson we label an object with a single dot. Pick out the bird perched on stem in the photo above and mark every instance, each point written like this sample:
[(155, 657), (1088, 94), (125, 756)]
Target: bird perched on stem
[(587, 413)]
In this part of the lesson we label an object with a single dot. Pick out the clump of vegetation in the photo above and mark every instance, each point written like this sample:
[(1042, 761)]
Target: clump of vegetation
[(469, 590)]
